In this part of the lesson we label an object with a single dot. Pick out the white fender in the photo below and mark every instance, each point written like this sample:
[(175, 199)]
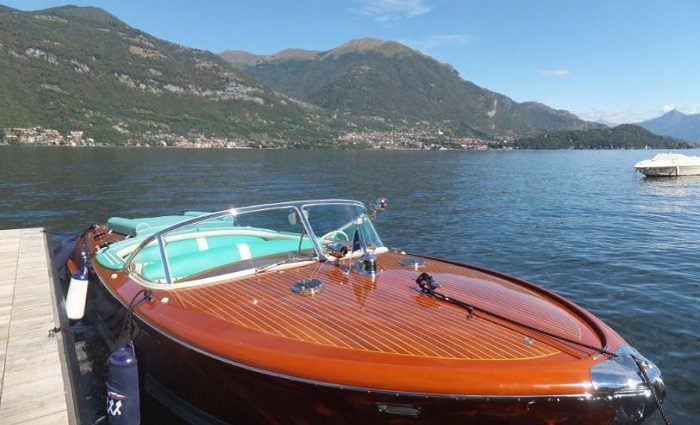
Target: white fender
[(77, 294)]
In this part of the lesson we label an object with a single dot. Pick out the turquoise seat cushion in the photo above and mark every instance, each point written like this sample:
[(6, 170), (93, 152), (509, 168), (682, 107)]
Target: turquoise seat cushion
[(109, 258), (278, 247), (196, 213), (188, 246), (190, 263), (140, 226)]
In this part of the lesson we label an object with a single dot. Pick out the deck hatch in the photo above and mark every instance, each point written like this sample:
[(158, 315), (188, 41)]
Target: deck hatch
[(412, 262), (307, 286)]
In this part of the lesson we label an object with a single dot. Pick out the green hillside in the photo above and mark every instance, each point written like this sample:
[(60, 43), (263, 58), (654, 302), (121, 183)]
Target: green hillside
[(624, 136), (386, 85), (80, 68)]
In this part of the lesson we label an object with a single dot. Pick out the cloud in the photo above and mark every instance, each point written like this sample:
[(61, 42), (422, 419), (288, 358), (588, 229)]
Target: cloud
[(435, 41), (392, 10), (630, 116), (612, 117), (557, 73), (684, 108)]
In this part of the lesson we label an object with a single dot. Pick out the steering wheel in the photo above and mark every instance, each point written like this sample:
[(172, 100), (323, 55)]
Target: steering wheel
[(333, 234)]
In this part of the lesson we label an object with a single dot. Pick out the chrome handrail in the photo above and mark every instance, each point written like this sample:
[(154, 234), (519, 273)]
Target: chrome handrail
[(298, 206), (164, 260)]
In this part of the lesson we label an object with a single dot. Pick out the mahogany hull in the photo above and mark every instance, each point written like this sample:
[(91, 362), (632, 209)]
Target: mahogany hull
[(204, 388)]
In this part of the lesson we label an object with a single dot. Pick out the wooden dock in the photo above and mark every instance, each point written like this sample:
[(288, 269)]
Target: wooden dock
[(35, 385)]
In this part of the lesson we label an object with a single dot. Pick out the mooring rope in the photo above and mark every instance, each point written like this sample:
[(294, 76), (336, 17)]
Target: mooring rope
[(128, 325), (647, 382)]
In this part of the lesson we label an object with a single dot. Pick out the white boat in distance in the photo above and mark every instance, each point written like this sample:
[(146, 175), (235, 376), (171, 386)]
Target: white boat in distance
[(669, 164)]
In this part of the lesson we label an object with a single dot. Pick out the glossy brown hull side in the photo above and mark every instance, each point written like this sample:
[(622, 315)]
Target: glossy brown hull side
[(236, 395), (206, 389), (201, 323)]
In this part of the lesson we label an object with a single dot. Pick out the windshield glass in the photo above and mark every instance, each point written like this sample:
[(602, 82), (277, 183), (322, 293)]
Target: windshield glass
[(250, 240), (337, 223)]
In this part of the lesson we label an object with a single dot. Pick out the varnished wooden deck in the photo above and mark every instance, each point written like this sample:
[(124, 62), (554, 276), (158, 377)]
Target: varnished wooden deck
[(34, 382)]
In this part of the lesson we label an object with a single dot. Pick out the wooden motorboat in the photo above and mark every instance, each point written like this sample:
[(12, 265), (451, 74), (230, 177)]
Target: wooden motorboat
[(296, 313)]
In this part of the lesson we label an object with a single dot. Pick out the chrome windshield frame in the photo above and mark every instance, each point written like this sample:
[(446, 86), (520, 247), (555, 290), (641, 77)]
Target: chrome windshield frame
[(297, 206)]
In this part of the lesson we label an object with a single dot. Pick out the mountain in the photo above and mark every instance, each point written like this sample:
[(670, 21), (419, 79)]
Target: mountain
[(81, 68), (385, 85), (675, 124), (625, 136), (606, 123), (239, 58)]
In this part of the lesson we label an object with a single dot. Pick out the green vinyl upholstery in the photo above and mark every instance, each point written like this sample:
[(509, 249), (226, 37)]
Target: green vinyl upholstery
[(188, 246), (189, 263), (140, 226)]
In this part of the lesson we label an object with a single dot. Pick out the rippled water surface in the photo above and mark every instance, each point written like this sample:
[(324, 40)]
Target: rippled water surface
[(581, 223)]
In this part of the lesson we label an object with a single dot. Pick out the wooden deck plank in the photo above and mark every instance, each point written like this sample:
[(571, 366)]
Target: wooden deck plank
[(33, 385)]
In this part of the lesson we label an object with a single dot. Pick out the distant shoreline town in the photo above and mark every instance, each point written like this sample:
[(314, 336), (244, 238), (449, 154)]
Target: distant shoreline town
[(78, 76), (399, 140), (620, 137)]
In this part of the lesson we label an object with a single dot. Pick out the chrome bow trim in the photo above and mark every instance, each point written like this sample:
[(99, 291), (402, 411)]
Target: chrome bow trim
[(620, 378)]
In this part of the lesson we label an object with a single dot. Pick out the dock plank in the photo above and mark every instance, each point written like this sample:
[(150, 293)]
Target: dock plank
[(33, 387)]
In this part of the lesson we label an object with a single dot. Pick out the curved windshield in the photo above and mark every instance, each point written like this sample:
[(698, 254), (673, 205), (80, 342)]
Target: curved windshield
[(339, 223), (250, 240)]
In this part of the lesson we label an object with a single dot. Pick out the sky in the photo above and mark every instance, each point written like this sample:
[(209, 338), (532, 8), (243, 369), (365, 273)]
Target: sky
[(612, 60)]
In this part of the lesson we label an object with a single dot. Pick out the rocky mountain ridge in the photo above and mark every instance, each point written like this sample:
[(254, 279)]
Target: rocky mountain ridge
[(676, 124), (385, 85), (80, 68)]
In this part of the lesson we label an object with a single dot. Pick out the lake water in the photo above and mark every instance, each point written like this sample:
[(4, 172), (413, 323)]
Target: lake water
[(581, 223)]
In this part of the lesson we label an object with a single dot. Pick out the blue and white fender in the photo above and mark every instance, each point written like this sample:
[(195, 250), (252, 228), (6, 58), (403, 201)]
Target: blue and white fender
[(123, 401)]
